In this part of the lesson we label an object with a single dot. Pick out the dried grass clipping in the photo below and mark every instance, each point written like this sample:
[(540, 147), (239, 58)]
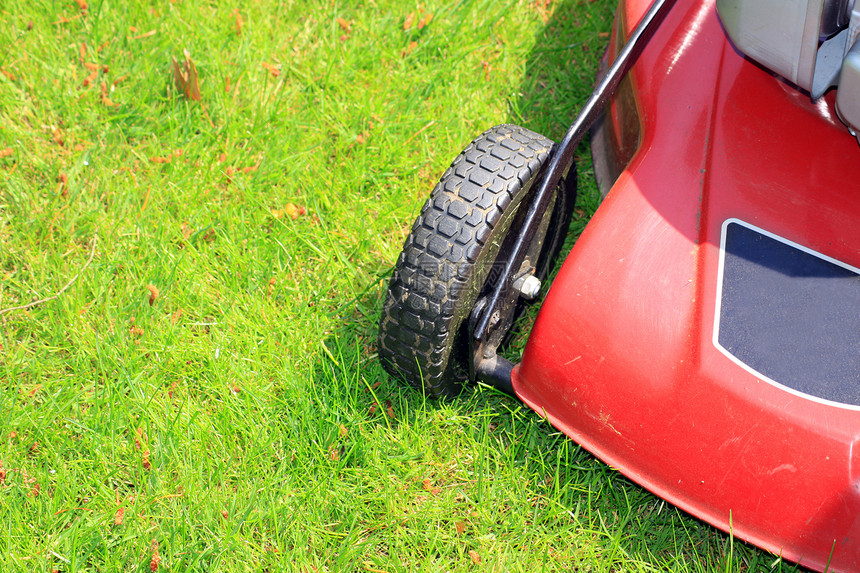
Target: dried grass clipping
[(185, 76)]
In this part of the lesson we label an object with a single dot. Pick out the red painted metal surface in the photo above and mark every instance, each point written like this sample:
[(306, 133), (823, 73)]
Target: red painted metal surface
[(621, 357)]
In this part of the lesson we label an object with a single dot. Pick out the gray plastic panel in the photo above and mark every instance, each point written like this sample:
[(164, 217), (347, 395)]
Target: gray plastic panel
[(780, 34), (789, 315)]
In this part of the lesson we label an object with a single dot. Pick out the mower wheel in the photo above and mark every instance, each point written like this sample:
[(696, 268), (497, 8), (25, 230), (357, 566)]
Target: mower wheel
[(456, 250)]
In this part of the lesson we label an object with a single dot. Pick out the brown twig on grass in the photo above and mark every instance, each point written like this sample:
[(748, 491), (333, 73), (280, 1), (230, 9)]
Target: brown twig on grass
[(62, 290)]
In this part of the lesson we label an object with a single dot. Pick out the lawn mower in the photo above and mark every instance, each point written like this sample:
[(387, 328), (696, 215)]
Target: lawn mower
[(703, 334)]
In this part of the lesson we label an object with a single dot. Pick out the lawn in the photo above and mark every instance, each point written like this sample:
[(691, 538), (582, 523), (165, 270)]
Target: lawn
[(203, 394)]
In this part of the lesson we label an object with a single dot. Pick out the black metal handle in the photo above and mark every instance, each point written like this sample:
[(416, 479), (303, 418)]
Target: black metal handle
[(563, 153)]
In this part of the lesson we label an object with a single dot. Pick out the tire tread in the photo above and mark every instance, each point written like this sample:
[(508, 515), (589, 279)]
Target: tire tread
[(423, 309)]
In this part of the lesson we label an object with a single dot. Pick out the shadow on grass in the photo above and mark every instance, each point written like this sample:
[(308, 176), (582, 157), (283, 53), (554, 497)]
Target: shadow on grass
[(482, 473)]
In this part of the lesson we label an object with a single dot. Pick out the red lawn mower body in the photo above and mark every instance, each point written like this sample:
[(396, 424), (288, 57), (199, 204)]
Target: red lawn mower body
[(703, 335)]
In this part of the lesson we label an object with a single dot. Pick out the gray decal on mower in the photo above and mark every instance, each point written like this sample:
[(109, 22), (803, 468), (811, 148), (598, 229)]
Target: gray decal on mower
[(789, 315)]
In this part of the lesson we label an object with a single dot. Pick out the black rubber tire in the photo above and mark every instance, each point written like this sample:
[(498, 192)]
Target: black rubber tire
[(455, 242)]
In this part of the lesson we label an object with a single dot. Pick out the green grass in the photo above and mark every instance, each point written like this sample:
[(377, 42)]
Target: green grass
[(240, 420)]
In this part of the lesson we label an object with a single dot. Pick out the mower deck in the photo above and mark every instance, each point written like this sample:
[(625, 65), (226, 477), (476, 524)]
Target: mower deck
[(703, 335)]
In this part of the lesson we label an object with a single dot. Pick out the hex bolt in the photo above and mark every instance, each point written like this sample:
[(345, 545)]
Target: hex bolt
[(528, 285)]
